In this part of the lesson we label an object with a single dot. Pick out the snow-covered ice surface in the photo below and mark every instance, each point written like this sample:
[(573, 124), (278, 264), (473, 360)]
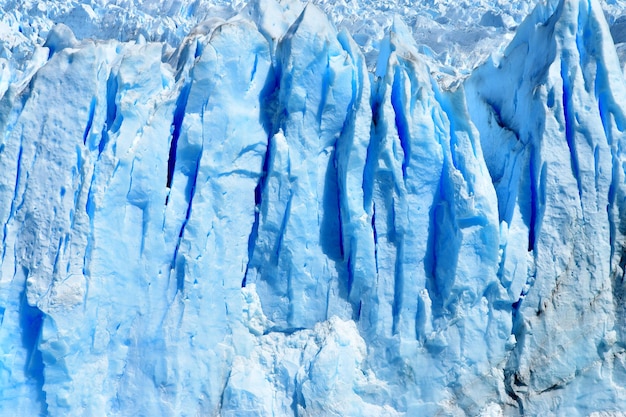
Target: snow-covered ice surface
[(455, 35), (272, 208)]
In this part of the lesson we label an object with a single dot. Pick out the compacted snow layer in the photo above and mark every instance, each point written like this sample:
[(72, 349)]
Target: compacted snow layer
[(279, 218)]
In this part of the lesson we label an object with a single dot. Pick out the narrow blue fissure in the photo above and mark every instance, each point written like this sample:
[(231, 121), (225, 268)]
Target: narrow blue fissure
[(331, 239), (57, 256), (375, 234), (177, 122), (431, 258), (398, 288), (570, 127), (344, 269), (615, 168), (326, 79), (502, 264), (340, 225), (92, 110), (12, 209), (596, 169), (191, 186), (258, 193), (254, 67), (90, 208), (77, 170), (402, 125), (17, 176), (268, 100), (371, 161), (533, 200), (350, 266), (112, 110), (372, 153), (398, 283), (31, 321)]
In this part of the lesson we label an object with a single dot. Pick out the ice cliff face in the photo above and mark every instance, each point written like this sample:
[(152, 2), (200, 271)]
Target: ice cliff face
[(257, 224), (559, 118)]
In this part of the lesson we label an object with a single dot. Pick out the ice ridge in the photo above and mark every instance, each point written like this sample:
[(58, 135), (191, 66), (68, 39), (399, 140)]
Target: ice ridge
[(256, 223)]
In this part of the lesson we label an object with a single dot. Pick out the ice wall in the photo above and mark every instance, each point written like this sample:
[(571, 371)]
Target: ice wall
[(257, 224), (554, 105)]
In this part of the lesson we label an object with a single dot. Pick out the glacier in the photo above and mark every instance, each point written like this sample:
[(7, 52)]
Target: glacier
[(271, 212)]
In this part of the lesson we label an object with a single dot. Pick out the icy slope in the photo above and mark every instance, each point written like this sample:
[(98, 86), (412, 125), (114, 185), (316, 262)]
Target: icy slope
[(257, 224)]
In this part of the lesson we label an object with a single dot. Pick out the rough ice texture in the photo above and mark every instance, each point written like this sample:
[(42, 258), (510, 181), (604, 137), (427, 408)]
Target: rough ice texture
[(258, 223), (452, 35)]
